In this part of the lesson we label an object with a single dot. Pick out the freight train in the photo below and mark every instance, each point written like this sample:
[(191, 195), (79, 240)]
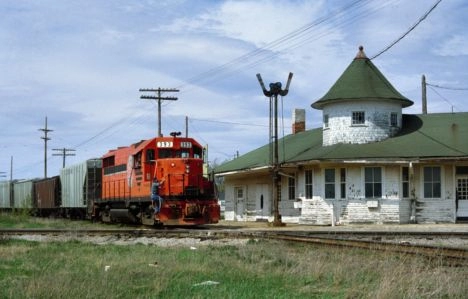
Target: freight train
[(157, 181)]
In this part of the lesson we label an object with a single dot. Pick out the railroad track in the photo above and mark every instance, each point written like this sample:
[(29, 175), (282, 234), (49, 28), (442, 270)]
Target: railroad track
[(378, 241)]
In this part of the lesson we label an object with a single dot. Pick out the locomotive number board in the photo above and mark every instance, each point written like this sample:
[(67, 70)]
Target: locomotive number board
[(170, 144), (165, 144)]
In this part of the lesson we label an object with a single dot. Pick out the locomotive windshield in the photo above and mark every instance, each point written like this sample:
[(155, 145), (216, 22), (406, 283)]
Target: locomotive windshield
[(187, 150)]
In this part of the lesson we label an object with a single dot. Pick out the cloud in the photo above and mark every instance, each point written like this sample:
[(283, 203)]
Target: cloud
[(82, 64), (456, 45)]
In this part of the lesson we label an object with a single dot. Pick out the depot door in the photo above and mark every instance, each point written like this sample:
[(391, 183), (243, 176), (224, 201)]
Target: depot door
[(239, 198), (462, 197), (263, 201)]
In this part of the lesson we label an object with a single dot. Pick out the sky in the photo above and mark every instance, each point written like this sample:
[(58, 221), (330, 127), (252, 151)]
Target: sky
[(81, 65)]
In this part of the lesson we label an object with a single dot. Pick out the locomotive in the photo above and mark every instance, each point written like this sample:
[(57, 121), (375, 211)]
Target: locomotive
[(160, 180), (157, 181)]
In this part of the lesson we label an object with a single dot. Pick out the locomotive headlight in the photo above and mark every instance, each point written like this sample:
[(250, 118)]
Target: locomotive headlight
[(172, 164), (187, 168)]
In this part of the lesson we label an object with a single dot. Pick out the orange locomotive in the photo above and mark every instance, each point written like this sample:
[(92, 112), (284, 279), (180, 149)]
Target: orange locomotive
[(157, 181)]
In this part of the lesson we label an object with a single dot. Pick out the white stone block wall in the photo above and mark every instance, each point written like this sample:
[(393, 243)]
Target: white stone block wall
[(435, 211), (377, 122)]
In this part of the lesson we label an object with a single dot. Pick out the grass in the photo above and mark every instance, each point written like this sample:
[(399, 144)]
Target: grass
[(22, 219), (258, 270)]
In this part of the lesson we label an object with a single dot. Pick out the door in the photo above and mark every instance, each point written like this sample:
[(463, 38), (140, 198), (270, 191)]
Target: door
[(462, 197), (263, 201), (239, 198)]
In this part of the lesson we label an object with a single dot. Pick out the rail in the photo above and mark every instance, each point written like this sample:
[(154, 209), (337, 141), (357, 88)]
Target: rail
[(375, 240)]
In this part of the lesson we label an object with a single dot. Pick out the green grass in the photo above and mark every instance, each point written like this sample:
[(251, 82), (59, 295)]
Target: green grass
[(256, 270), (264, 269), (23, 220)]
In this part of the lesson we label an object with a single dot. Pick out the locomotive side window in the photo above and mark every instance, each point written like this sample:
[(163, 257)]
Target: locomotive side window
[(197, 152), (109, 161), (137, 160), (149, 155)]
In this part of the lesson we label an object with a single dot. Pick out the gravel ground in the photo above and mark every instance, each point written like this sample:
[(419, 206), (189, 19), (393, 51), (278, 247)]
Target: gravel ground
[(198, 242), (192, 243)]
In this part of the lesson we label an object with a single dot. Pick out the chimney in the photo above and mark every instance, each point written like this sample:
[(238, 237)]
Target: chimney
[(298, 121)]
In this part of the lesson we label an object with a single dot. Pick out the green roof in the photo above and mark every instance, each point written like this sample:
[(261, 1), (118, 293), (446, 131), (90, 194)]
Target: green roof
[(429, 136), (361, 81)]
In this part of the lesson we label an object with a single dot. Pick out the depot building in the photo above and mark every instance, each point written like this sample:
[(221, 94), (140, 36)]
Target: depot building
[(368, 163)]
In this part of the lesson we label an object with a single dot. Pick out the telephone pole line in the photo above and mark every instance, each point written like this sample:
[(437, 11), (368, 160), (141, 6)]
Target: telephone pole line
[(64, 153), (159, 98), (45, 130)]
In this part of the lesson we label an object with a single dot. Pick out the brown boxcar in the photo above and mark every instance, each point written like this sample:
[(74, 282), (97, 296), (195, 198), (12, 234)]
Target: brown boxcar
[(47, 195)]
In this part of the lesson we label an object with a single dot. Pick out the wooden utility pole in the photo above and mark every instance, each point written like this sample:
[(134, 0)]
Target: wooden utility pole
[(424, 97), (275, 90), (45, 130), (64, 153), (159, 98)]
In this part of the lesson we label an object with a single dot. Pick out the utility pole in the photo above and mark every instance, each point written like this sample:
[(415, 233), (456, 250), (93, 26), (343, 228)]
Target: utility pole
[(159, 98), (63, 154), (45, 130), (424, 96), (275, 90)]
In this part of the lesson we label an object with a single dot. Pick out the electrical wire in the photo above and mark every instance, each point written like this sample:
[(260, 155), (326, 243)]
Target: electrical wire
[(263, 54), (408, 31), (446, 87), (443, 98)]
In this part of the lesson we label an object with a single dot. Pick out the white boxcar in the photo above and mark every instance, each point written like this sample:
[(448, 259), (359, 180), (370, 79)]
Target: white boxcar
[(23, 194), (5, 191), (77, 181)]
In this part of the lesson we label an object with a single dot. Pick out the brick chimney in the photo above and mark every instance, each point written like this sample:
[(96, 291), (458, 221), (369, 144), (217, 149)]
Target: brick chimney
[(298, 121)]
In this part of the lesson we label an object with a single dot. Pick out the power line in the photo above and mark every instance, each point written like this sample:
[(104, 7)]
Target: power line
[(446, 87), (408, 31), (442, 97), (267, 53), (226, 122), (64, 153), (159, 98)]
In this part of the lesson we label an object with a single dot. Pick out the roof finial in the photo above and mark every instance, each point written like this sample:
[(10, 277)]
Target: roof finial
[(361, 53)]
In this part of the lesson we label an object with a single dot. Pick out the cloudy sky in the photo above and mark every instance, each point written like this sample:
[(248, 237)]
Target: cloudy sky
[(82, 63)]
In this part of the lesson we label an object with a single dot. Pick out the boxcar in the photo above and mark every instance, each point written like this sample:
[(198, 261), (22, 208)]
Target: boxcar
[(81, 186), (47, 199)]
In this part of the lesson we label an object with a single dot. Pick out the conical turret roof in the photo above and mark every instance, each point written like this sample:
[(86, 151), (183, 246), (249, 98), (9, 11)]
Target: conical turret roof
[(361, 81)]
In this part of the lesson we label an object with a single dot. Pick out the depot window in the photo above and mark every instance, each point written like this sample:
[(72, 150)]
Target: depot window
[(325, 121), (358, 118), (405, 181), (330, 183), (308, 184), (393, 119), (291, 188), (373, 182), (432, 182)]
